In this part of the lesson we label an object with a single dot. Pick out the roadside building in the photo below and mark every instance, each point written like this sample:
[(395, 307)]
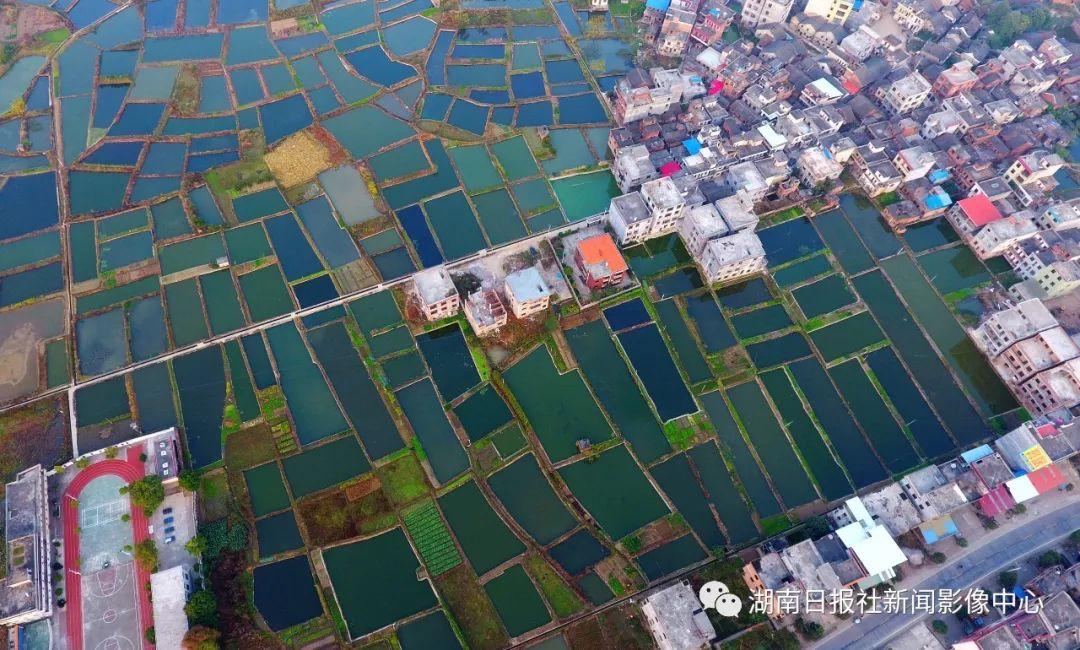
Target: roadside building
[(676, 619), (437, 294), (527, 292), (169, 591), (870, 544), (1053, 389), (26, 591), (600, 262), (485, 312)]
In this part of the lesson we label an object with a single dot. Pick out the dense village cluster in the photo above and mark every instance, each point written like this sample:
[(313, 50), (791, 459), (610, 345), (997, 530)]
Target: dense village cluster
[(549, 418)]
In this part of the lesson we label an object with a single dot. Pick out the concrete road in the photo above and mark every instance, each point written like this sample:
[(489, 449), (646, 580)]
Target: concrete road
[(1034, 535)]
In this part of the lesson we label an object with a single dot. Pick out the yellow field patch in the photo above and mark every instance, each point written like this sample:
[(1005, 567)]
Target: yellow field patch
[(298, 159)]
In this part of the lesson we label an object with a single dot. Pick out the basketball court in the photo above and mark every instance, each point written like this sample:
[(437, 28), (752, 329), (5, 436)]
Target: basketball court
[(108, 578)]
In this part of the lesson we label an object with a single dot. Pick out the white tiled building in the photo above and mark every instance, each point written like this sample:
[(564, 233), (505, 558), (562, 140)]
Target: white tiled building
[(527, 292), (437, 294)]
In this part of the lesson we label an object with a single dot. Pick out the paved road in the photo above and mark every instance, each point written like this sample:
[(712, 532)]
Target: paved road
[(876, 630)]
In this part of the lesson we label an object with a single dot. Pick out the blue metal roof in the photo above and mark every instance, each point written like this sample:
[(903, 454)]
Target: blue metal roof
[(692, 145), (938, 175), (661, 5)]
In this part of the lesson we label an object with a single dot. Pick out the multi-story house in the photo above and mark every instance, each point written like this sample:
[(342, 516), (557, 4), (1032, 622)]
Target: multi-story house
[(599, 261), (914, 162), (816, 168), (713, 19), (1035, 167), (972, 213), (820, 92), (527, 292), (665, 202), (1053, 389), (834, 11), (875, 173), (1057, 216), (633, 166), (438, 297), (955, 80), (630, 218), (906, 94), (485, 312), (735, 256), (764, 12), (640, 94), (1004, 328), (996, 237)]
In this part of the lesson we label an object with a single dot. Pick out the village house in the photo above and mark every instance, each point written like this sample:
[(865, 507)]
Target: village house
[(485, 312), (764, 12), (906, 94), (437, 294), (599, 261), (527, 292)]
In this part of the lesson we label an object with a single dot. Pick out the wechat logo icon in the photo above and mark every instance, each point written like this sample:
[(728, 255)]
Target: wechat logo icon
[(715, 594)]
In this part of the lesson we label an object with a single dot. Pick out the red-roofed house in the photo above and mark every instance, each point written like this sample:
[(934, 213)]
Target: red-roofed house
[(970, 214), (996, 501), (1047, 478), (670, 168), (599, 261)]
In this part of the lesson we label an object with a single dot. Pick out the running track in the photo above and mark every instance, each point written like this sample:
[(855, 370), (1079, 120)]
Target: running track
[(129, 470)]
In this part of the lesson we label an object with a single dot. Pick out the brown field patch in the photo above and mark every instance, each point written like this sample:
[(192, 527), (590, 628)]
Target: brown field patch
[(362, 488), (298, 159)]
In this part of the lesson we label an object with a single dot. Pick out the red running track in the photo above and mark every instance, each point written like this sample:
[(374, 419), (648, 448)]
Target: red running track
[(129, 470)]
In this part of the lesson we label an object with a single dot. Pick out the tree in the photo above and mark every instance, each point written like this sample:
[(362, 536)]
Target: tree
[(196, 545), (146, 493), (810, 629), (1007, 579), (1050, 558), (937, 557), (201, 608), (1074, 536), (146, 554), (817, 527), (940, 626), (189, 480), (201, 637), (962, 542)]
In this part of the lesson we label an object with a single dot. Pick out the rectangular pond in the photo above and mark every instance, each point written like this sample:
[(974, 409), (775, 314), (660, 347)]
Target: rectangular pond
[(607, 373), (559, 408), (657, 372), (614, 490)]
